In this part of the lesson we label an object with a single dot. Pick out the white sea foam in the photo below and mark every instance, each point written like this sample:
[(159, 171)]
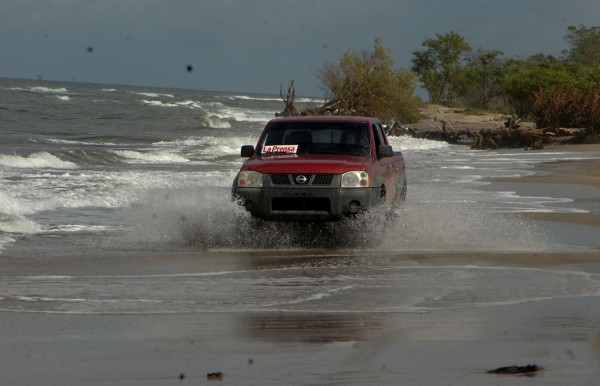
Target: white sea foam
[(64, 98), (278, 99), (149, 157), (196, 105), (87, 143), (159, 103), (208, 147), (243, 115), (152, 94), (218, 123), (218, 114), (36, 160), (256, 98), (5, 240), (12, 215), (50, 191), (75, 228), (18, 225), (190, 104), (47, 90), (458, 167), (406, 143)]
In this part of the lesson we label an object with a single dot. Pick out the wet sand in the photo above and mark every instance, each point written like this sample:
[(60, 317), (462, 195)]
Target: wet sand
[(584, 173), (432, 347)]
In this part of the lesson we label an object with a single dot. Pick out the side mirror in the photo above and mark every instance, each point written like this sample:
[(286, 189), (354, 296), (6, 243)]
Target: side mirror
[(385, 151), (247, 151)]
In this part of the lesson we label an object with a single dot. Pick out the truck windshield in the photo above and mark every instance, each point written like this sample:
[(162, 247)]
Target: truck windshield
[(350, 138)]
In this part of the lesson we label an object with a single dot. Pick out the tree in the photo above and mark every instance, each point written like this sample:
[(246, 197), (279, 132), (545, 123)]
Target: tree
[(368, 84), (524, 78), (585, 45), (439, 66), (484, 72)]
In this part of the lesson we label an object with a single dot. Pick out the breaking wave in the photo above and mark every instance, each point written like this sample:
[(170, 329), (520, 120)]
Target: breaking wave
[(36, 160)]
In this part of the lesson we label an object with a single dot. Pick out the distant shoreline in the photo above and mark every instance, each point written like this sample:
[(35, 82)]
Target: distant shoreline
[(488, 130)]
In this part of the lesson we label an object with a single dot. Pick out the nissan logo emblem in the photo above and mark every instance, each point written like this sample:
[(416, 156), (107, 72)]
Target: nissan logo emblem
[(301, 179)]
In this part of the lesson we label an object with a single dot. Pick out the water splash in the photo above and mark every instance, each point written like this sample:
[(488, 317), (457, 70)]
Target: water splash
[(454, 227), (208, 218)]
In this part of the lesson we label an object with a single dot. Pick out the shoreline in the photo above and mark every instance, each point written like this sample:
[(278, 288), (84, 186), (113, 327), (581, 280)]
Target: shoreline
[(489, 130), (577, 172)]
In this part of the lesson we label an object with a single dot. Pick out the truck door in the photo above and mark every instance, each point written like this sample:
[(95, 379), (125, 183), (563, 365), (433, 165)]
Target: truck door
[(388, 169)]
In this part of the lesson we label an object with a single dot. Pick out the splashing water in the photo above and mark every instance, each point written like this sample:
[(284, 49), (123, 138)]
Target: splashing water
[(208, 218)]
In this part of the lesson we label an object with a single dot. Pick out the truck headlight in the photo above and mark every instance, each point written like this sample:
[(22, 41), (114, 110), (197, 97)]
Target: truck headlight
[(249, 179), (355, 179)]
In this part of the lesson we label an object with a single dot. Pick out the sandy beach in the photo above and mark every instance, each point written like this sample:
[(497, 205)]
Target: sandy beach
[(443, 346)]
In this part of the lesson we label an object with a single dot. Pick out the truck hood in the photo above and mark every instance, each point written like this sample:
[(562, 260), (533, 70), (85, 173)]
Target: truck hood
[(305, 163)]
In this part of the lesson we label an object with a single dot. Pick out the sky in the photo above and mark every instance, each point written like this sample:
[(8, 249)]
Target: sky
[(255, 46)]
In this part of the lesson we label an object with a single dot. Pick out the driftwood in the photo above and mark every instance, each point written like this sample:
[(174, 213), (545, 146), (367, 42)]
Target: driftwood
[(513, 122), (290, 110)]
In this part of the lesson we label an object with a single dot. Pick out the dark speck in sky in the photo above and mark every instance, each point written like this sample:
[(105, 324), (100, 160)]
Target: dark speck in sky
[(190, 68)]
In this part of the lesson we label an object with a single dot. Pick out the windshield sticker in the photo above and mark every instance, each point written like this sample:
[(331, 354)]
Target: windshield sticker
[(280, 156), (286, 149)]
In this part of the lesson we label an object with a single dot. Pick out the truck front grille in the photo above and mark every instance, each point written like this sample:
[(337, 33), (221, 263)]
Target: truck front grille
[(280, 179), (322, 179), (311, 179)]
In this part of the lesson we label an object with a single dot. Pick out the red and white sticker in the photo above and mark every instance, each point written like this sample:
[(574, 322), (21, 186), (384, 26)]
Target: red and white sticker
[(280, 156), (286, 149)]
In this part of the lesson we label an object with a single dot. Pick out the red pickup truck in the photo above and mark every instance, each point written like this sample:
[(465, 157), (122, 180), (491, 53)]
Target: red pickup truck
[(321, 168)]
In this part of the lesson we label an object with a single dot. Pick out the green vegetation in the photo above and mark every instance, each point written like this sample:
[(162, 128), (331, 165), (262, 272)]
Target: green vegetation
[(368, 84), (440, 68), (553, 91)]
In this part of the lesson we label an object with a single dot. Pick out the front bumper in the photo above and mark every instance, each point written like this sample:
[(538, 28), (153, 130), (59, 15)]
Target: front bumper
[(306, 203)]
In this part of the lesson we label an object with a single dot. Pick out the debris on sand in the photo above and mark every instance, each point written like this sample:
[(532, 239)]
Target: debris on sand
[(215, 376), (529, 370)]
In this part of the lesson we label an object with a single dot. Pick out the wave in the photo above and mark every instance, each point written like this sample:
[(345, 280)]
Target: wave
[(217, 115), (152, 94), (406, 143), (75, 228), (48, 90), (4, 241), (12, 219), (158, 103), (276, 99), (208, 147), (154, 156), (187, 103), (255, 98), (217, 123), (41, 90), (36, 160), (243, 115), (18, 225), (86, 143)]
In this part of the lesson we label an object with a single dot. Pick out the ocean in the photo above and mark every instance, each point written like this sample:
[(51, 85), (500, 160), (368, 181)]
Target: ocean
[(90, 172)]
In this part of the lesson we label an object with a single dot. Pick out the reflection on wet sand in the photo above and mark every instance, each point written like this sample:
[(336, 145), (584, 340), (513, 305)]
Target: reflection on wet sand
[(313, 327)]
